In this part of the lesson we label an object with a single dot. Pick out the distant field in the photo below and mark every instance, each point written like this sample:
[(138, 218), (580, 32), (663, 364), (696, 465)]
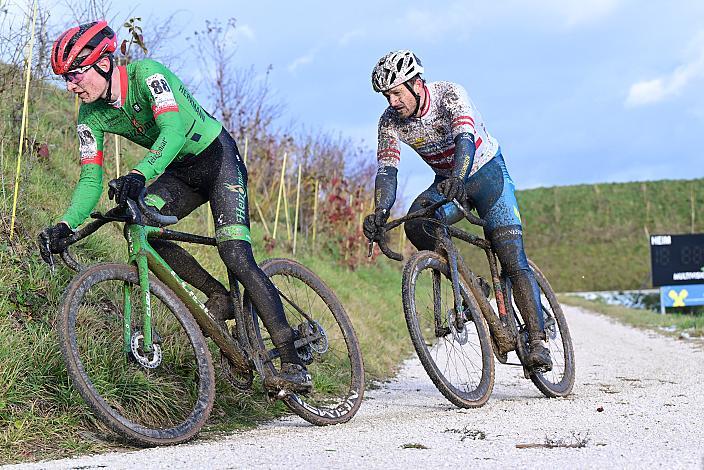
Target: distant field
[(596, 237)]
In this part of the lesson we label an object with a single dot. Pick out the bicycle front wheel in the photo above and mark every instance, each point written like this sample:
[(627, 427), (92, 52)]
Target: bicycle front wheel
[(559, 381), (157, 397), (326, 344), (459, 361)]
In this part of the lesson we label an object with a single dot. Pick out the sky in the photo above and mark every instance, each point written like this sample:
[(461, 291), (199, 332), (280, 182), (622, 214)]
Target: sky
[(575, 91)]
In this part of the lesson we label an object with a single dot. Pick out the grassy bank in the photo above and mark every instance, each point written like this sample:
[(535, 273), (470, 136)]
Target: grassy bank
[(41, 415), (674, 324)]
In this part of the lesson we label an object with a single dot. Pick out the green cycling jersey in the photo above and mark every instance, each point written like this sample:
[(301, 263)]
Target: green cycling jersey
[(155, 111)]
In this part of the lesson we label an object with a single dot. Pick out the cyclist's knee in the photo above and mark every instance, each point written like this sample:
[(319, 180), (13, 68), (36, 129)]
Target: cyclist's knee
[(508, 245), (419, 235)]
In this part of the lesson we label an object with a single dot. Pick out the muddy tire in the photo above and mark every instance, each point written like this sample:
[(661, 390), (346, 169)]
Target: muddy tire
[(334, 360), (460, 364), (162, 402), (559, 381)]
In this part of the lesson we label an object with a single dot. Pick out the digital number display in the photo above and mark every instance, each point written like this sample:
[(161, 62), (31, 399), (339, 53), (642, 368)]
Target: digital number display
[(677, 259)]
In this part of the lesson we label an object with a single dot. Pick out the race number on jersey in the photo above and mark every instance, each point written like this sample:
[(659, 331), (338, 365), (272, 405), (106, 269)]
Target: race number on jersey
[(164, 100), (88, 146)]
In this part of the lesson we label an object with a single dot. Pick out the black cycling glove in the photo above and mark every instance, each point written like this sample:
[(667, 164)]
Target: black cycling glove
[(56, 237), (373, 223), (126, 187), (452, 188)]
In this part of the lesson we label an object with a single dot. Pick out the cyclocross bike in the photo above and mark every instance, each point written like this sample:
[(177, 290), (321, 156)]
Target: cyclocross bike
[(455, 329), (134, 349)]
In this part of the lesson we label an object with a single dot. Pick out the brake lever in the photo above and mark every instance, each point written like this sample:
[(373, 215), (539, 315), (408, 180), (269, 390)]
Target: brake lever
[(45, 252), (460, 207)]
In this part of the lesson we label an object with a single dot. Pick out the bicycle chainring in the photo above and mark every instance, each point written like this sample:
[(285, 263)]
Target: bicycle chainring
[(140, 356), (241, 380)]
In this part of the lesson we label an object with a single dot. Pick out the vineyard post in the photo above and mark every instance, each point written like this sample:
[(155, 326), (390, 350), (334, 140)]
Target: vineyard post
[(278, 199), (23, 124), (298, 202)]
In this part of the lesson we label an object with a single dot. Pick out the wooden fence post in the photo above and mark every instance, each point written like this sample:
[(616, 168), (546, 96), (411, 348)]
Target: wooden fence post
[(278, 199), (23, 124), (288, 216), (245, 150), (298, 202), (315, 209)]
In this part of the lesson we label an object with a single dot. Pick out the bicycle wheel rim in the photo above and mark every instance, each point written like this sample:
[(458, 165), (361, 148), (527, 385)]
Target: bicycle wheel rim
[(335, 364), (460, 366), (164, 405)]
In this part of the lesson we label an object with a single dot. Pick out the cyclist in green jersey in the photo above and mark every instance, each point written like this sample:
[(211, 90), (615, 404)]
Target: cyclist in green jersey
[(193, 158)]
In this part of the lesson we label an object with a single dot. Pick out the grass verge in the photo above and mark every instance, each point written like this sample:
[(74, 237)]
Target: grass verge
[(672, 324)]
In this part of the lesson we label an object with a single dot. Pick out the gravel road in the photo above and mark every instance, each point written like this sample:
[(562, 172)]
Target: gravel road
[(637, 402)]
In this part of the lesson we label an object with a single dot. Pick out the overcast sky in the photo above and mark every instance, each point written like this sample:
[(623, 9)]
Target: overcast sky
[(575, 91)]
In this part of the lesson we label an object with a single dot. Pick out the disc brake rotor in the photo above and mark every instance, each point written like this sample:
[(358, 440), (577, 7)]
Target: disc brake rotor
[(321, 344), (143, 358), (549, 324), (460, 335)]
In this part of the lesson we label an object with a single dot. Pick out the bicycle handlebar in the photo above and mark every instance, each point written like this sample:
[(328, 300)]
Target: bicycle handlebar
[(424, 212), (126, 213)]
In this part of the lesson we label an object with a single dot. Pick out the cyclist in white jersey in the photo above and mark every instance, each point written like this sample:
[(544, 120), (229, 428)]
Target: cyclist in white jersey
[(444, 127)]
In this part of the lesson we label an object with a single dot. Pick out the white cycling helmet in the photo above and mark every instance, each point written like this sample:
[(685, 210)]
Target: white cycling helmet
[(394, 69)]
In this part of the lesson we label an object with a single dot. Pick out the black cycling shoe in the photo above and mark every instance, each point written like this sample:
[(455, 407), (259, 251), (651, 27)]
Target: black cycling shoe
[(291, 378), (221, 308), (538, 358)]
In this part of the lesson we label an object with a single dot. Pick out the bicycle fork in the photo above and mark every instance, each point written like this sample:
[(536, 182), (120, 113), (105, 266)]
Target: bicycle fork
[(460, 316), (136, 240)]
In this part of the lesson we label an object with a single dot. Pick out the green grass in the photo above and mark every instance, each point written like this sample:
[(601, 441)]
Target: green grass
[(585, 237), (41, 414), (596, 237), (671, 323)]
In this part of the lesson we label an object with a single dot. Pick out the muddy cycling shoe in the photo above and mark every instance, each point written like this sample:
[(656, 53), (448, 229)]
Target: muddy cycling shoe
[(538, 358), (221, 308), (292, 378)]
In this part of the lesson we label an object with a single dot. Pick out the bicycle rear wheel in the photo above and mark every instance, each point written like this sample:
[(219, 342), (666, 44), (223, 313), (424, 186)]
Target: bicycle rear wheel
[(460, 363), (559, 381), (160, 397), (326, 341)]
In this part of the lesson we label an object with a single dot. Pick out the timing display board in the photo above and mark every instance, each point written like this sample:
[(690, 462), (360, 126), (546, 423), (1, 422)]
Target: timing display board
[(677, 259)]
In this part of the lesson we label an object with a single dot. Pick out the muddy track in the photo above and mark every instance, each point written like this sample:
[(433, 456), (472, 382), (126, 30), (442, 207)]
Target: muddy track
[(638, 401)]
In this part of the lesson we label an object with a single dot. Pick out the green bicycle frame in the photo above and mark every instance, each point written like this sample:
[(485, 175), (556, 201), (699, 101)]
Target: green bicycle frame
[(145, 257)]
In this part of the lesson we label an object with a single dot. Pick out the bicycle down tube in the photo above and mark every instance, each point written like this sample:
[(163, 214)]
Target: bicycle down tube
[(147, 259)]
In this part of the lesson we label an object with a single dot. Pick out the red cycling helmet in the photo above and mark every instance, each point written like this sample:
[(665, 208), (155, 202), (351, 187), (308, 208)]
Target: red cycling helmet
[(96, 35)]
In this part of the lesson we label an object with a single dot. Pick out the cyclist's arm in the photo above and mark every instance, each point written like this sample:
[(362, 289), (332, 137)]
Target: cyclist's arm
[(90, 184), (462, 130), (388, 156), (155, 87), (464, 155)]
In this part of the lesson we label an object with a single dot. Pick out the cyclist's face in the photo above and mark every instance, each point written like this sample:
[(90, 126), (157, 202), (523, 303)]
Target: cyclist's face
[(89, 85), (402, 100)]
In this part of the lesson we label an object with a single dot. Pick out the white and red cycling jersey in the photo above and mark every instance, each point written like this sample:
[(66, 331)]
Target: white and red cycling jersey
[(447, 112)]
